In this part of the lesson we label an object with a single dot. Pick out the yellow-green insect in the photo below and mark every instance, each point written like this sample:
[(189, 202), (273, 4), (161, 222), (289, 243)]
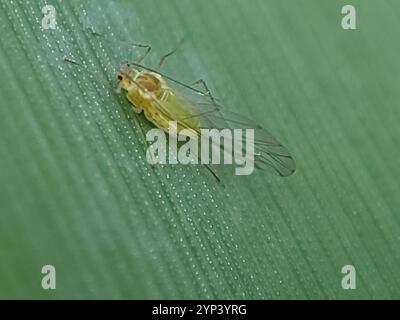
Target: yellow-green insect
[(163, 99)]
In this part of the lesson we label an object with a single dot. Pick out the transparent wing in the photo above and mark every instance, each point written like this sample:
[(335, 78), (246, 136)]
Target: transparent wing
[(269, 153)]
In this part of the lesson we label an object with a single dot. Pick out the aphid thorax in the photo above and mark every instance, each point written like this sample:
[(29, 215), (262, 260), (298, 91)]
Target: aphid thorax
[(143, 84)]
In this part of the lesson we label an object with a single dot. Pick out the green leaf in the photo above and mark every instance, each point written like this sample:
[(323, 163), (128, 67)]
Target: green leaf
[(78, 193)]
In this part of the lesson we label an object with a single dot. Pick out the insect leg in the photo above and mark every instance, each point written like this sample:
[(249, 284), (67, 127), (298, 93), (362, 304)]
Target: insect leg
[(71, 61), (137, 45), (206, 91), (163, 59), (213, 173), (145, 53), (165, 56)]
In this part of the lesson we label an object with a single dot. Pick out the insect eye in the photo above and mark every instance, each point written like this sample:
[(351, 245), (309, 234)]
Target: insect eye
[(119, 77)]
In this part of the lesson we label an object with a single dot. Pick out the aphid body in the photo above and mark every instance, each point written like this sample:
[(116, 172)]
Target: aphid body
[(165, 101)]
